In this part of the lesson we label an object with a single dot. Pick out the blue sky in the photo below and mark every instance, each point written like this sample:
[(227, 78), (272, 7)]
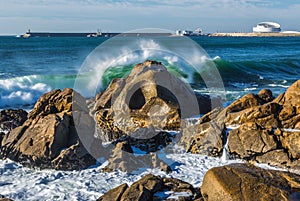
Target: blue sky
[(16, 16)]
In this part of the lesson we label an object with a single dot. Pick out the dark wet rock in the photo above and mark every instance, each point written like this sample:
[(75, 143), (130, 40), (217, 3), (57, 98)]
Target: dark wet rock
[(148, 97), (123, 158), (10, 119), (248, 182), (49, 137), (150, 187)]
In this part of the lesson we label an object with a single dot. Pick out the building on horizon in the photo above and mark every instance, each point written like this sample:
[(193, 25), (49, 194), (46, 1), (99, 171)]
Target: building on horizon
[(267, 27)]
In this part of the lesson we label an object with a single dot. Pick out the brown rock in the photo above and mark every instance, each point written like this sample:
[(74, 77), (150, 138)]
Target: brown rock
[(48, 138), (246, 182), (208, 137), (264, 126), (291, 142), (249, 140), (143, 189), (148, 96), (292, 95), (114, 194), (266, 95), (125, 160), (147, 187), (247, 101)]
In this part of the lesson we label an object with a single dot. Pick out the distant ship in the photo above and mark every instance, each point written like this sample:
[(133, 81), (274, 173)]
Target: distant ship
[(29, 34), (197, 32), (98, 34)]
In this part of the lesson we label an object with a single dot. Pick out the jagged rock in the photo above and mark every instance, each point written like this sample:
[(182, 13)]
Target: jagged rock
[(247, 182), (148, 96), (48, 138), (149, 187), (10, 119), (208, 137), (267, 130), (259, 126)]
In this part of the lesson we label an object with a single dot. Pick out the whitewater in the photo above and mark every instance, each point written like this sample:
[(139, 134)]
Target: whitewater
[(20, 183)]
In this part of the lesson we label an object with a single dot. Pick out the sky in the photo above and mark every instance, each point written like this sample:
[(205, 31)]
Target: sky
[(17, 16)]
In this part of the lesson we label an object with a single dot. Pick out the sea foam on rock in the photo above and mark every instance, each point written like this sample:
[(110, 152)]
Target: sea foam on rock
[(48, 138)]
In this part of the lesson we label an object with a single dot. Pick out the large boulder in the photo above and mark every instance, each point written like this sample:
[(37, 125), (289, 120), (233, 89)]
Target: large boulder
[(248, 182), (49, 138), (152, 187), (10, 119), (148, 97)]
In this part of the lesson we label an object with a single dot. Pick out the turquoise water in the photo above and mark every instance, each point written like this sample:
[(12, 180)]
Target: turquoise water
[(33, 66)]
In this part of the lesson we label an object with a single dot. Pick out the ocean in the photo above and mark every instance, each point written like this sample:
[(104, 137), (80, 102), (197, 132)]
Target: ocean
[(225, 66), (30, 67)]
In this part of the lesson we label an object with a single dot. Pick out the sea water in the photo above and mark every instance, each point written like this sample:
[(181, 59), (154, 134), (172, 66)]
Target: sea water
[(33, 66)]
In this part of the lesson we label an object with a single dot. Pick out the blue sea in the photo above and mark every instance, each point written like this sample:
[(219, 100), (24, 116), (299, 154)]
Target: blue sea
[(225, 66), (33, 66)]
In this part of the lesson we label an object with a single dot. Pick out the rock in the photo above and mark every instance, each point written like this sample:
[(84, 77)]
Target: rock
[(151, 187), (114, 194), (268, 130), (148, 97), (249, 140), (49, 137), (245, 182), (208, 137), (255, 127), (125, 160), (10, 119)]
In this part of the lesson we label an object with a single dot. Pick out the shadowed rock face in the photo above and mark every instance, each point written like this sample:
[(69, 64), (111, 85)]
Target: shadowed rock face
[(149, 188), (48, 138), (10, 119), (148, 96), (248, 182)]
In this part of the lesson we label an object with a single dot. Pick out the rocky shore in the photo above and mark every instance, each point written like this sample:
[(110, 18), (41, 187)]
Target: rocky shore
[(147, 113)]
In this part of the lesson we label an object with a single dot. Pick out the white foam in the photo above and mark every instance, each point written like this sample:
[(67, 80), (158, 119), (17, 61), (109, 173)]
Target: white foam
[(279, 85), (21, 91), (291, 130), (21, 183)]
